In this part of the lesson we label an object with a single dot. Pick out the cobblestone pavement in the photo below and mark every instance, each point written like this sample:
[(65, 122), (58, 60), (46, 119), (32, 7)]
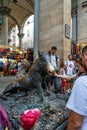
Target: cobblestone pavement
[(4, 81)]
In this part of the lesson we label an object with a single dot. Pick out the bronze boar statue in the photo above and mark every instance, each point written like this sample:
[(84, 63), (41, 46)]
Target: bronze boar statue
[(33, 79)]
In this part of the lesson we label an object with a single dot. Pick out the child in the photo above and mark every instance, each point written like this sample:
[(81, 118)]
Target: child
[(29, 118), (63, 81)]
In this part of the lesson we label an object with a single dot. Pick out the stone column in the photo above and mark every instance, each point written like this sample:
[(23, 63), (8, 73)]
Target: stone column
[(36, 27), (4, 12), (74, 26), (74, 21), (20, 35)]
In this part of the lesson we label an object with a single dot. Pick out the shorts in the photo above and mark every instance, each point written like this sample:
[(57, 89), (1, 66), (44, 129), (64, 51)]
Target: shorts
[(63, 83), (49, 79), (72, 80)]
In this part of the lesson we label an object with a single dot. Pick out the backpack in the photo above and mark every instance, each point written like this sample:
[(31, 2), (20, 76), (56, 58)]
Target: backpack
[(4, 121)]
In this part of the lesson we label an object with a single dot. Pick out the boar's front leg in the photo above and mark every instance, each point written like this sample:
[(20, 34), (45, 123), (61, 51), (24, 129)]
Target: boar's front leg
[(38, 85)]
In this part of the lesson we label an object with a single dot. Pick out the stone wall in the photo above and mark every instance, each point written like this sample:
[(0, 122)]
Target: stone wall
[(82, 22), (54, 14)]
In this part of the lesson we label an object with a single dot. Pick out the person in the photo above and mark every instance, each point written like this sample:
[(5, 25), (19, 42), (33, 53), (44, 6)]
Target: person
[(19, 65), (75, 66), (1, 66), (29, 58), (5, 123), (53, 58), (29, 118), (77, 101), (80, 67), (29, 55), (8, 67), (63, 80), (69, 70)]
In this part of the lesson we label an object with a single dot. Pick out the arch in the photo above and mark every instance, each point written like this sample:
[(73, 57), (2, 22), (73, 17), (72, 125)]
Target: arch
[(23, 22), (16, 23), (31, 3)]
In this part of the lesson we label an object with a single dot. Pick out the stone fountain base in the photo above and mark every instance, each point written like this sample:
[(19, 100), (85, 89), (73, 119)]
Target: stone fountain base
[(54, 114)]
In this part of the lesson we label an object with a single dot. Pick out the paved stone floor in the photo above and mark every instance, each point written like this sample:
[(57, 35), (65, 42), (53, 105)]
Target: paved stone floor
[(4, 81)]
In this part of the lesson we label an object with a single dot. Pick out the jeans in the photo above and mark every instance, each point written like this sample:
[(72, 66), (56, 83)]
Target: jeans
[(57, 83)]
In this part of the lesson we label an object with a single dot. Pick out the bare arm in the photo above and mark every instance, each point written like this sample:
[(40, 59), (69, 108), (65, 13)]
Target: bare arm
[(75, 121), (65, 76), (61, 76)]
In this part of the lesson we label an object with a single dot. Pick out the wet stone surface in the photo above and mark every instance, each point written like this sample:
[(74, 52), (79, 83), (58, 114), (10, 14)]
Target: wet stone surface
[(53, 111), (50, 120)]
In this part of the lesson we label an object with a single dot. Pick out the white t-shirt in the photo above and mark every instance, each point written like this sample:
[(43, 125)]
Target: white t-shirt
[(78, 99), (53, 60), (70, 67)]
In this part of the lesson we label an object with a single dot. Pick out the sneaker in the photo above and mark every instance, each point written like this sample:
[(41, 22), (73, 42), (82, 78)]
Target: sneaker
[(68, 91)]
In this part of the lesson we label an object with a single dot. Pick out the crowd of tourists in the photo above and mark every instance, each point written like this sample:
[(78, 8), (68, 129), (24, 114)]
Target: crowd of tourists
[(66, 72)]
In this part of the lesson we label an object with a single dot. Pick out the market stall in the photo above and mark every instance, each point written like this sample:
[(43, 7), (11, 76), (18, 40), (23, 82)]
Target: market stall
[(10, 52)]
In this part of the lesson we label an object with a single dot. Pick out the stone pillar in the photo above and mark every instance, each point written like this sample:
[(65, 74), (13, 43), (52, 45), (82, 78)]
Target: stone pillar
[(4, 12), (74, 26), (36, 27), (74, 21), (20, 35)]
